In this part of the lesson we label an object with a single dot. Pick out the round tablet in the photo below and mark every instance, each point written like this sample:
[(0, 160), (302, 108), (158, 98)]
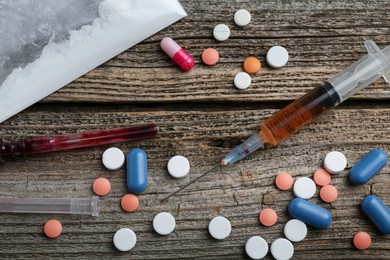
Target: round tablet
[(321, 177), (328, 193), (113, 158), (362, 240), (277, 57), (284, 181), (242, 80), (268, 217), (256, 247), (304, 188), (178, 166), (221, 32), (129, 202), (335, 162), (219, 227), (164, 223), (210, 56), (101, 186), (295, 230), (242, 17), (125, 239), (252, 65), (282, 249), (52, 228)]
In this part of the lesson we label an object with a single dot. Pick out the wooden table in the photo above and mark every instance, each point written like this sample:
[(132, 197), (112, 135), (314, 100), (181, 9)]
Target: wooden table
[(202, 116)]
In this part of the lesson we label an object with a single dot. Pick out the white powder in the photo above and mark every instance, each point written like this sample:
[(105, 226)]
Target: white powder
[(120, 25)]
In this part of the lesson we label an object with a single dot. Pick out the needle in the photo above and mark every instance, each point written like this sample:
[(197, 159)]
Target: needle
[(188, 184)]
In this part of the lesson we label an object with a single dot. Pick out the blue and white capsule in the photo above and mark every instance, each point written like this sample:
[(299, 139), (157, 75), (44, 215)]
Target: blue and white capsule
[(368, 166), (310, 213), (377, 212), (137, 170)]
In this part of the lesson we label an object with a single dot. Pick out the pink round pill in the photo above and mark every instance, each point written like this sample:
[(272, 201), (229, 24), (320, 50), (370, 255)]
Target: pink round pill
[(284, 181), (52, 228), (362, 240), (210, 56), (268, 217), (328, 193), (101, 186), (321, 177), (129, 202)]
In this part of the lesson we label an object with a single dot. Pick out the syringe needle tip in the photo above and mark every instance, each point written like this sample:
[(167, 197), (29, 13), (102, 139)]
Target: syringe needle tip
[(188, 184)]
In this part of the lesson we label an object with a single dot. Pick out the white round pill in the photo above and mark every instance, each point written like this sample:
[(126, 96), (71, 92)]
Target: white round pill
[(220, 227), (256, 247), (125, 239), (113, 158), (277, 57), (221, 32), (304, 188), (282, 249), (242, 17), (178, 166), (335, 162), (242, 80), (164, 223), (295, 230)]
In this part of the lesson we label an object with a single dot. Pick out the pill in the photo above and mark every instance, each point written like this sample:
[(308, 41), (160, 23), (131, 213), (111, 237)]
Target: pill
[(362, 240), (177, 53), (242, 17), (164, 223), (284, 181), (377, 212), (295, 230), (256, 247), (304, 188), (220, 228), (328, 193), (101, 186), (268, 217), (242, 80), (321, 177), (52, 228), (309, 213), (335, 162), (252, 65), (137, 170), (129, 202), (282, 249), (221, 32), (125, 239), (277, 57), (210, 56), (113, 158), (178, 166), (368, 166)]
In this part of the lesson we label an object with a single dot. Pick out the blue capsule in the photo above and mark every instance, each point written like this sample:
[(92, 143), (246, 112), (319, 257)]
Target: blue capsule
[(368, 166), (377, 212), (137, 170), (309, 213)]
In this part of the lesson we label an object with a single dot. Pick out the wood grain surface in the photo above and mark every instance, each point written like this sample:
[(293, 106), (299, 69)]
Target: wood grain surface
[(202, 116)]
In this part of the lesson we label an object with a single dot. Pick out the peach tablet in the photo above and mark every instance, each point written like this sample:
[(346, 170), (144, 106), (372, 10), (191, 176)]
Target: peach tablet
[(52, 228), (328, 193), (268, 217), (284, 181), (252, 65), (321, 177), (362, 240), (210, 56), (129, 202), (101, 186)]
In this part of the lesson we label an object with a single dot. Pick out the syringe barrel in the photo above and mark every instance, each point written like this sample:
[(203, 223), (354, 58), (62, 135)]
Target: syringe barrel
[(83, 206)]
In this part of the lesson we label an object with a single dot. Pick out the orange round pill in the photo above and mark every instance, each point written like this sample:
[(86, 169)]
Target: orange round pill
[(101, 186), (362, 240), (284, 181), (129, 202), (252, 65), (268, 217), (321, 177), (210, 56), (328, 193), (52, 228)]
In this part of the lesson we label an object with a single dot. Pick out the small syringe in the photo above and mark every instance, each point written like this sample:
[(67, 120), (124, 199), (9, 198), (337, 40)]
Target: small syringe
[(302, 111)]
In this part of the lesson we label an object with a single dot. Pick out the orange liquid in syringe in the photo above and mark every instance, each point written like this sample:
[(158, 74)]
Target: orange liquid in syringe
[(297, 114)]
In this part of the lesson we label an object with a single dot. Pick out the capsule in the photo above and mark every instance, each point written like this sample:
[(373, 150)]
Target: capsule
[(177, 53), (137, 170), (377, 212), (368, 166), (309, 213)]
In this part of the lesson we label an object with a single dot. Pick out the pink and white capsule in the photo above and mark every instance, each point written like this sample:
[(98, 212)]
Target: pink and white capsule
[(177, 53)]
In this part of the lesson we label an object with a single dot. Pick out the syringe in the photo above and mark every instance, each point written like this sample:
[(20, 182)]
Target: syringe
[(302, 111)]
